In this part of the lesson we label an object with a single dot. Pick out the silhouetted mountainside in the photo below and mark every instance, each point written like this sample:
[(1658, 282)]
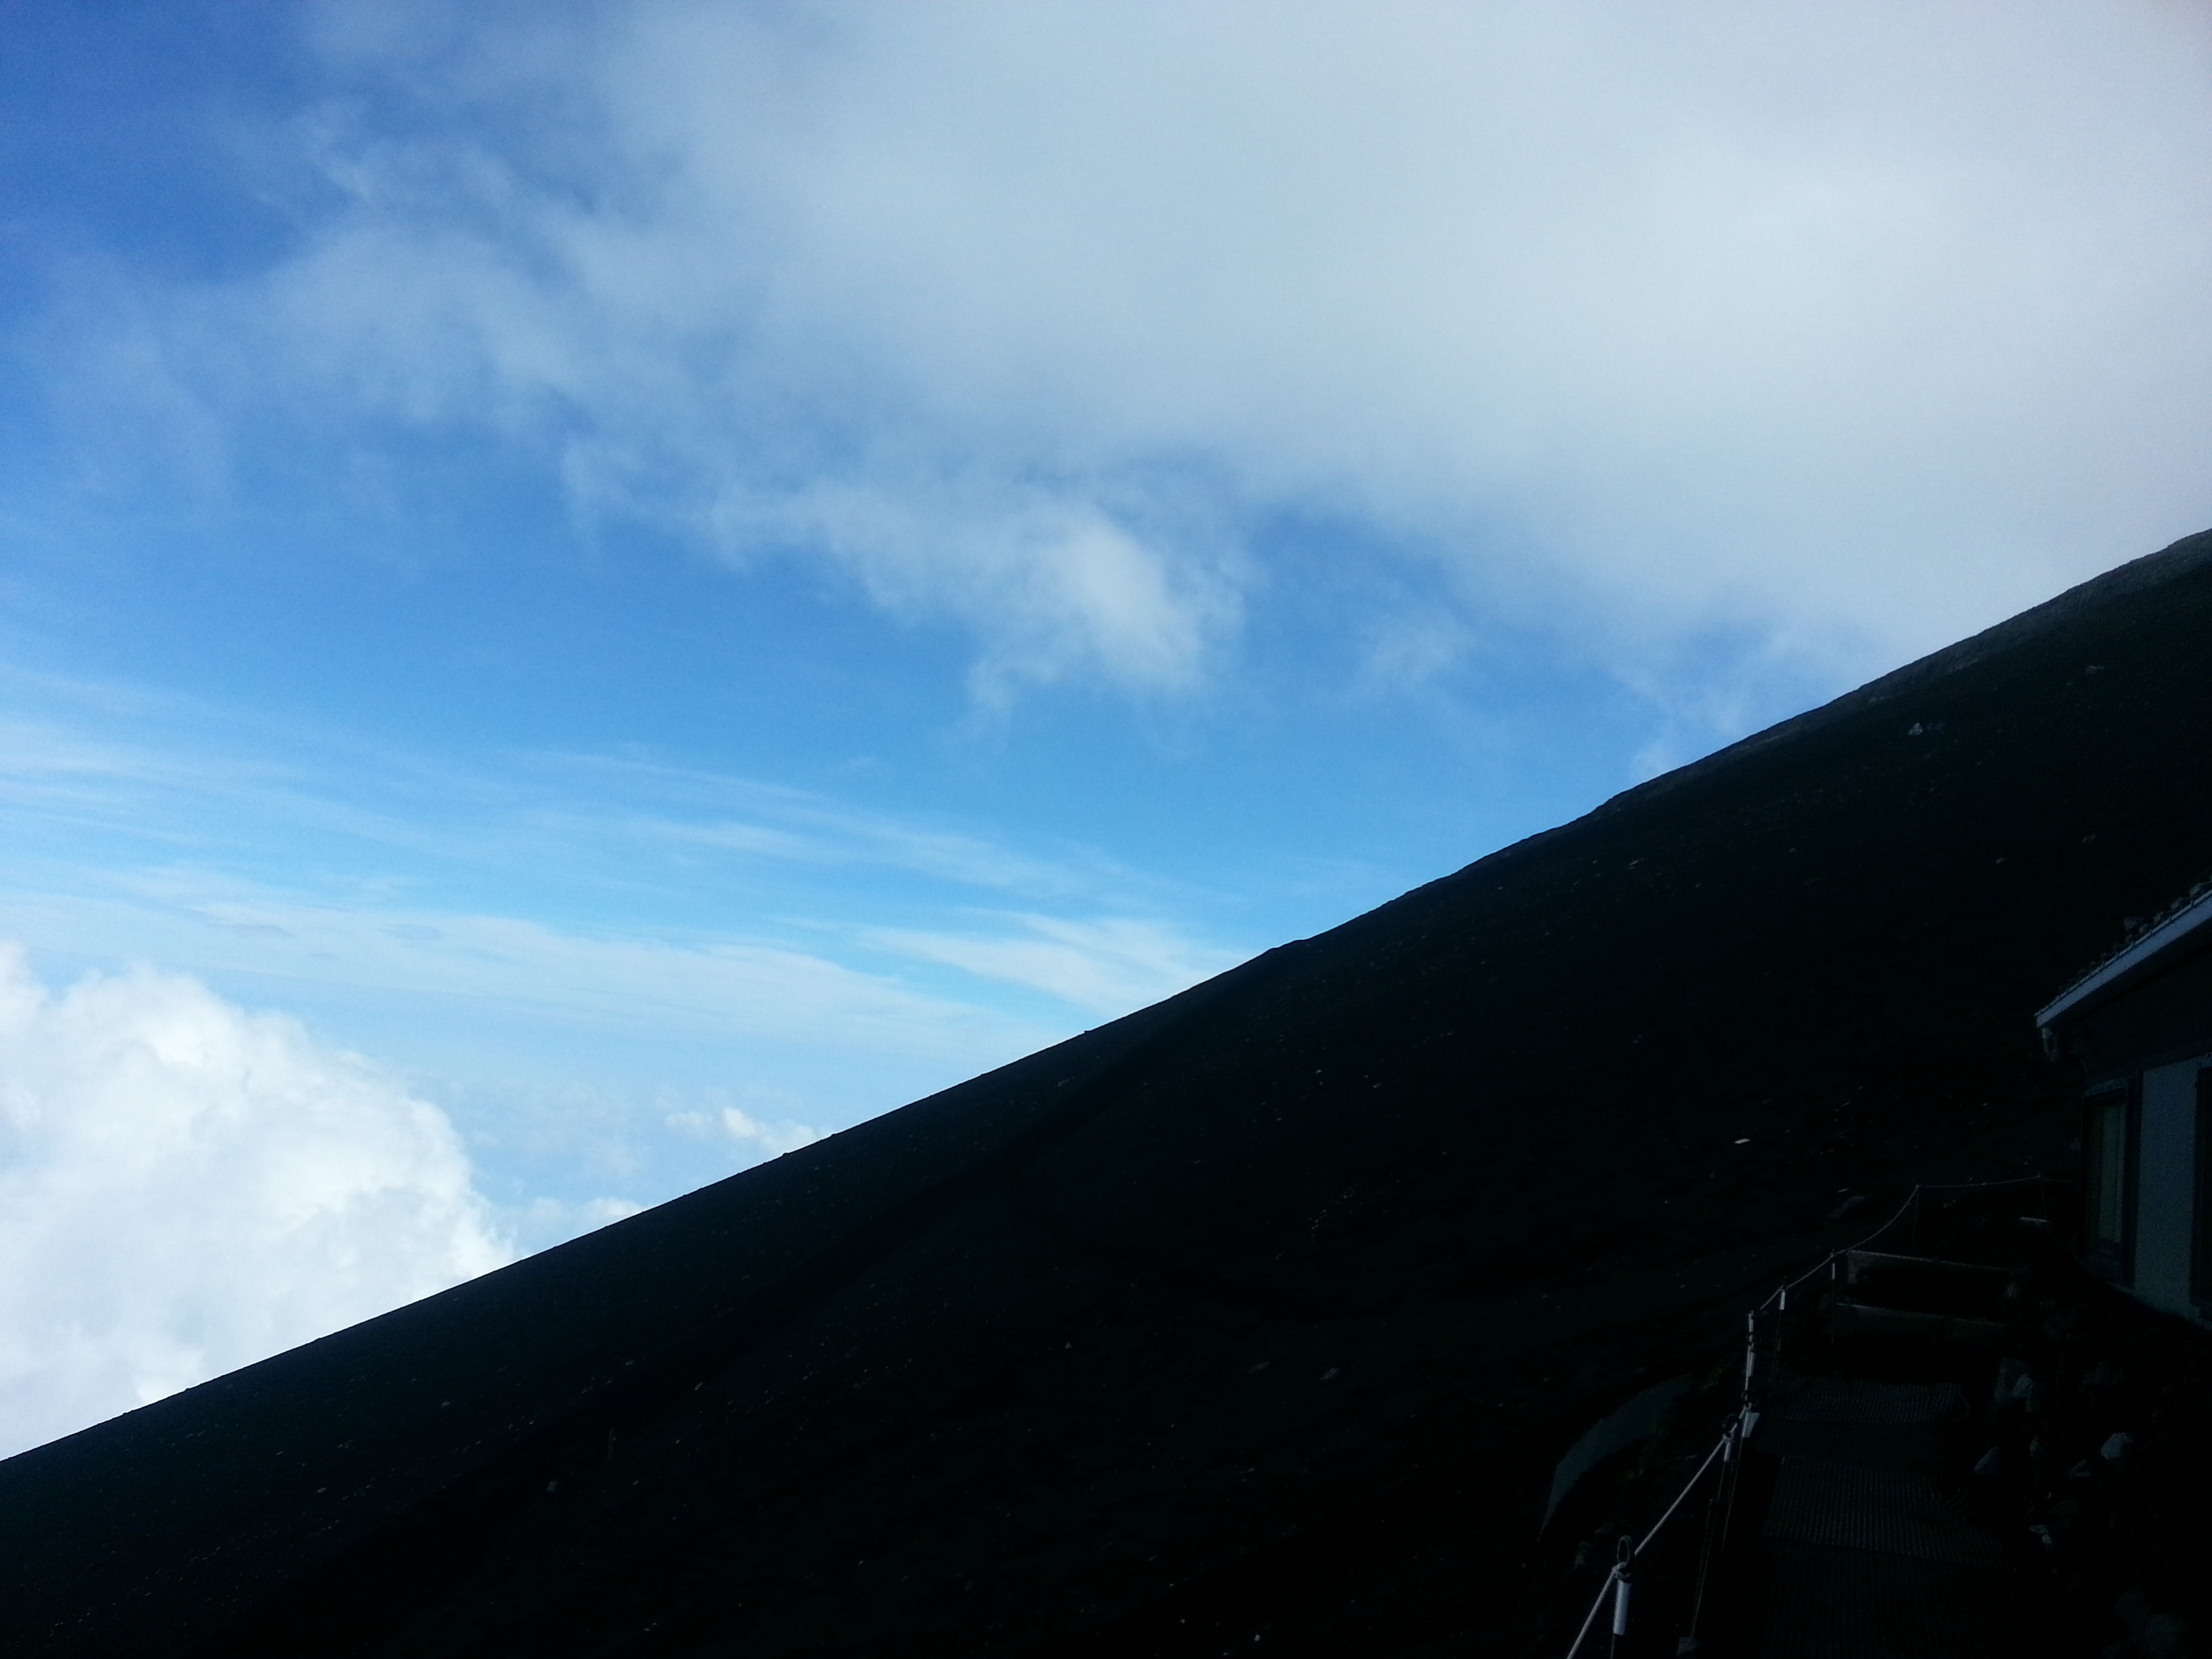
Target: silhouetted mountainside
[(1262, 1314)]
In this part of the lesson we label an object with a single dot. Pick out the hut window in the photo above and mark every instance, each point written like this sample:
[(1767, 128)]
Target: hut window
[(2200, 1253), (2107, 1145)]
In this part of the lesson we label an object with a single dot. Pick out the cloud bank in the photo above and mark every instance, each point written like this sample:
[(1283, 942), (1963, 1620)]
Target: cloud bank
[(189, 1187), (1836, 331)]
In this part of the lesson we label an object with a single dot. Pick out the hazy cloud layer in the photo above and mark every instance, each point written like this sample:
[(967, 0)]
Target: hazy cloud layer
[(1842, 329), (189, 1188)]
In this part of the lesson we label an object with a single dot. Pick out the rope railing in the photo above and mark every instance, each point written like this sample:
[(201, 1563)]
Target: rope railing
[(1619, 1580), (1779, 1297)]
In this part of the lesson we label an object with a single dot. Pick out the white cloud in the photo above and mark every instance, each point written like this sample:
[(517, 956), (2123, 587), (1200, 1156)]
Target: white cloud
[(1059, 587), (761, 1118), (187, 1187), (1850, 327), (776, 1139)]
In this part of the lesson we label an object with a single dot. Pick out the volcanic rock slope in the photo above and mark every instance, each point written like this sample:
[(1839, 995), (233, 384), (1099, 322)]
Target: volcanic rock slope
[(1257, 1317)]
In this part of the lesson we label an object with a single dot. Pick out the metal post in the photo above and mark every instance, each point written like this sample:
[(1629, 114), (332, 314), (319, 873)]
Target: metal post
[(1623, 1566), (1713, 1507)]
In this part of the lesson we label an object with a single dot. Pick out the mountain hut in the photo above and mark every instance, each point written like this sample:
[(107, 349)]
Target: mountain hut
[(2139, 1026)]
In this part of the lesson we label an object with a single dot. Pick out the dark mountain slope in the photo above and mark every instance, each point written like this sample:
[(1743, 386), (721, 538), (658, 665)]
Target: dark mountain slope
[(1262, 1313)]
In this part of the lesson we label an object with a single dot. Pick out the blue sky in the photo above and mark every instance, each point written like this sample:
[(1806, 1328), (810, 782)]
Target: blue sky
[(591, 592)]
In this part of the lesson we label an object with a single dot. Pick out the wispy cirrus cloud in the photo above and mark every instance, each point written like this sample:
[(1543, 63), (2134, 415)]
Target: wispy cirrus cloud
[(681, 806), (1103, 965), (198, 778), (743, 990), (554, 922)]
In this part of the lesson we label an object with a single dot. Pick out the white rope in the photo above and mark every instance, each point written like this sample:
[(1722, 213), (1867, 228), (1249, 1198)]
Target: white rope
[(1686, 1491), (1612, 1578)]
